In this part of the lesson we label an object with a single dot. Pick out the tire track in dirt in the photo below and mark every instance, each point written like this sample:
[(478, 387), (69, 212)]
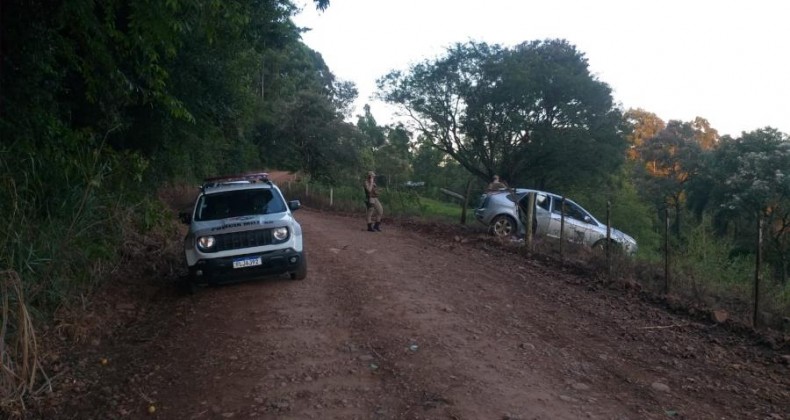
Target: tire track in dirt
[(282, 349), (423, 308)]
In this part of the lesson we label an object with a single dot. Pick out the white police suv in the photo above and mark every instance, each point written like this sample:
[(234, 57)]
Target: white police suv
[(241, 227)]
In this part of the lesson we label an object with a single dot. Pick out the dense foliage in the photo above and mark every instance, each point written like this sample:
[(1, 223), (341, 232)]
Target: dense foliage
[(533, 113), (101, 102)]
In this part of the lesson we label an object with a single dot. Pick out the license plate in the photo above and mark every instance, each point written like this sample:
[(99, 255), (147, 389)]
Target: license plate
[(247, 262)]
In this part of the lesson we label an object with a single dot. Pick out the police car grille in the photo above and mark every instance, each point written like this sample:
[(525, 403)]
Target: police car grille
[(239, 240)]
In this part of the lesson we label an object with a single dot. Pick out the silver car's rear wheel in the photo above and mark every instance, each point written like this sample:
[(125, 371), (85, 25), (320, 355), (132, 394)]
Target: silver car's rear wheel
[(503, 226)]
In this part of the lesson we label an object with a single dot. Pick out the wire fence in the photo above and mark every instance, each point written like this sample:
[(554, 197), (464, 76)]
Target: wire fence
[(397, 202), (701, 272)]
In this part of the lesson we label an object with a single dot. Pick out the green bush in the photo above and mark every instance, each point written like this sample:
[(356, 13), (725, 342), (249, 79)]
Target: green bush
[(64, 212), (705, 269)]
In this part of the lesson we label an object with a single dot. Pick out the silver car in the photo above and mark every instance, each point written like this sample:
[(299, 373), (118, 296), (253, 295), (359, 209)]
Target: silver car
[(504, 217)]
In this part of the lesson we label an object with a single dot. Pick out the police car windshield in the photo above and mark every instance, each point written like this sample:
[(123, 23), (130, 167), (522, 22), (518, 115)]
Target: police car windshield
[(239, 203)]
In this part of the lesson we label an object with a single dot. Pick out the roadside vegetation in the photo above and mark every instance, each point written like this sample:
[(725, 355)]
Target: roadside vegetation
[(102, 104)]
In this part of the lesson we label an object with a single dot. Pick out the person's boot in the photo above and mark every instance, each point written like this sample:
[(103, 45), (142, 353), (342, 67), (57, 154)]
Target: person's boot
[(377, 227), (370, 227)]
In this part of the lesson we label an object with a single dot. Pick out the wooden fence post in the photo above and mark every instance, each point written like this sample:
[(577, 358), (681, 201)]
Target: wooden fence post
[(562, 230), (757, 270), (530, 216), (609, 238), (666, 250), (466, 201)]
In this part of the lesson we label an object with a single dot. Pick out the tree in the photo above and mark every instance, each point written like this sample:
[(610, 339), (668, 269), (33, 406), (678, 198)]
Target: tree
[(671, 159), (438, 170), (399, 138), (311, 137), (704, 134), (428, 161), (393, 158), (644, 126), (321, 4), (753, 174), (530, 113), (367, 124), (301, 124), (389, 147)]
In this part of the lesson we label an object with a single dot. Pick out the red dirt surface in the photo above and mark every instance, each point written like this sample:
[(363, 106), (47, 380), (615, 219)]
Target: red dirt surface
[(411, 323)]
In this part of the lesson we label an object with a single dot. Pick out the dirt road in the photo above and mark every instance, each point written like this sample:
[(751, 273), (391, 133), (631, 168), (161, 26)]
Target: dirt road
[(404, 325)]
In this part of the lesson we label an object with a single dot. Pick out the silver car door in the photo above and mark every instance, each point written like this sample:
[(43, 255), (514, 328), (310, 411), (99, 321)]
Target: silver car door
[(583, 226), (542, 213), (595, 230), (574, 229), (554, 221)]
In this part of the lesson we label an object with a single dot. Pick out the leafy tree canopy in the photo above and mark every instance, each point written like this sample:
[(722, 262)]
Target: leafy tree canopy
[(670, 160), (753, 172), (532, 113), (643, 126)]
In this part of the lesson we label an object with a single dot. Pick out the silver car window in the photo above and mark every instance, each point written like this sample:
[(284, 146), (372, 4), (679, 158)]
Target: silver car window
[(515, 197), (574, 211)]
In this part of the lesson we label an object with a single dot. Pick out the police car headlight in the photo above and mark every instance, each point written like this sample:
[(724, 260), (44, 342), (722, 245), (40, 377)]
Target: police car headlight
[(280, 233), (205, 243)]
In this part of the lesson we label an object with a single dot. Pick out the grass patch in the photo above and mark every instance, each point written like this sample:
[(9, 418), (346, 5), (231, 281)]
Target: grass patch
[(435, 209)]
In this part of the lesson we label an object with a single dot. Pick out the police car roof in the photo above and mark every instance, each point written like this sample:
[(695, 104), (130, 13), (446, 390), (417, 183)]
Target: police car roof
[(237, 180)]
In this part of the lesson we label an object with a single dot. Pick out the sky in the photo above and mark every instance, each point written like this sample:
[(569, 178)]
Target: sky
[(727, 61)]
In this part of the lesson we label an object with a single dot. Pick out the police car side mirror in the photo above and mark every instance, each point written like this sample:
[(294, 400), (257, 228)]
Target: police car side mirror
[(186, 218), (294, 205)]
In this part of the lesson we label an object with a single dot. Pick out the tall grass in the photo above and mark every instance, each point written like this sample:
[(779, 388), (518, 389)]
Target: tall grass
[(63, 214), (19, 365), (705, 270)]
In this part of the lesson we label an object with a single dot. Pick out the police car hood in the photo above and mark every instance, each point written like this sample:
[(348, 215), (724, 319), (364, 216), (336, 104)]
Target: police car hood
[(240, 224)]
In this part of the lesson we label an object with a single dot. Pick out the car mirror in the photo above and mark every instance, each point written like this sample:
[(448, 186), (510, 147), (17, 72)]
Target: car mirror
[(185, 217), (294, 205)]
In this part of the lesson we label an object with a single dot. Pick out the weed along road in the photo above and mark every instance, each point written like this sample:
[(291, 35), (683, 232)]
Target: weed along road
[(411, 324)]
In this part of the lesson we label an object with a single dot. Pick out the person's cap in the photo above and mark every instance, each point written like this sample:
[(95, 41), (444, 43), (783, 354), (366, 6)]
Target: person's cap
[(371, 173)]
